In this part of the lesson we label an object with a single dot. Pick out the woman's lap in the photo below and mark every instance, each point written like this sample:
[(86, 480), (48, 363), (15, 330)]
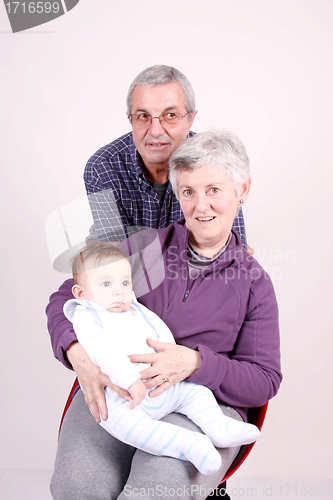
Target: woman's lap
[(92, 465)]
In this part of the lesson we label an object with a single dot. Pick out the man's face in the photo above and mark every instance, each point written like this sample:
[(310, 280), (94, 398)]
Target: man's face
[(157, 141)]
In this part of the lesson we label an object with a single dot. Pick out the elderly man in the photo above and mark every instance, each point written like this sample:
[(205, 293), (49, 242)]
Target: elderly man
[(127, 180)]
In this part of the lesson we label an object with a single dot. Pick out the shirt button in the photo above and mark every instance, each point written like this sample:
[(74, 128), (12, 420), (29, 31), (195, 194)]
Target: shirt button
[(187, 293)]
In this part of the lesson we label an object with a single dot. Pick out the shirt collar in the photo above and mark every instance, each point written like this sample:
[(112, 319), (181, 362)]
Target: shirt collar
[(137, 163), (234, 251)]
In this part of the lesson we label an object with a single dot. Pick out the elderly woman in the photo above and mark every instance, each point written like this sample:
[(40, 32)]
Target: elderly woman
[(221, 308)]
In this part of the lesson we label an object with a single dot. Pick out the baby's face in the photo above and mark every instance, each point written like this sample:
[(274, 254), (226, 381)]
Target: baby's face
[(109, 285)]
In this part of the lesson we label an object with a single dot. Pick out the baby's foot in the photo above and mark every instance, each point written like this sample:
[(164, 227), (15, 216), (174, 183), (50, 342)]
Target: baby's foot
[(231, 432), (201, 452)]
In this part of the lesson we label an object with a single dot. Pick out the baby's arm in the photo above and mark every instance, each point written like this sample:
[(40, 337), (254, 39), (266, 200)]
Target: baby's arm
[(137, 392)]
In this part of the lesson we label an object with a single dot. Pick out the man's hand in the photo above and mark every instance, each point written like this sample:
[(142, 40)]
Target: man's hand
[(92, 381), (137, 393), (170, 365)]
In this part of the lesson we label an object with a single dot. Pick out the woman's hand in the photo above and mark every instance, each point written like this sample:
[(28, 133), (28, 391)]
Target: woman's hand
[(92, 381), (170, 365)]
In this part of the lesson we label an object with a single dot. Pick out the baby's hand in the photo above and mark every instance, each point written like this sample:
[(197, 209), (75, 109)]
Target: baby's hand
[(137, 392)]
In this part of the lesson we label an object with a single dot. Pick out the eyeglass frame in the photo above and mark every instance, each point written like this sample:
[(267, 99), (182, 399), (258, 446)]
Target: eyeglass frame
[(160, 117)]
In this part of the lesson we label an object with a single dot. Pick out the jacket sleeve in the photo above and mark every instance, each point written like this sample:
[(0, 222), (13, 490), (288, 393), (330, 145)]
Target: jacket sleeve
[(60, 328), (250, 375)]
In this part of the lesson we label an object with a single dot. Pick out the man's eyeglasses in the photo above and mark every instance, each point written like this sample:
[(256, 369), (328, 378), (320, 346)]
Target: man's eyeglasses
[(145, 119)]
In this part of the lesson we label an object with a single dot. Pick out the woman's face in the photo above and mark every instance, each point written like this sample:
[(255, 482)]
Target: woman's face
[(209, 203)]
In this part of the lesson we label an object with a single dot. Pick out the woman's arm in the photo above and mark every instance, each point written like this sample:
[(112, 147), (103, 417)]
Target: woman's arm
[(251, 374), (246, 377), (60, 328)]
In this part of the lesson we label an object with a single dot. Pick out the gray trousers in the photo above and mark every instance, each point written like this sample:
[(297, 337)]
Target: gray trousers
[(93, 465)]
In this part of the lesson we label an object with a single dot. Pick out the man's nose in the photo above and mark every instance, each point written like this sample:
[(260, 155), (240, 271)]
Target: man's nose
[(155, 127)]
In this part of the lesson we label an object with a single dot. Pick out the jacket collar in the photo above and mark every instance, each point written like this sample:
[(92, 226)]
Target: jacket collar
[(234, 254)]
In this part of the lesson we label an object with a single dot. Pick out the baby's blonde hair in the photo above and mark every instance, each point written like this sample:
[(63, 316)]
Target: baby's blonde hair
[(94, 254)]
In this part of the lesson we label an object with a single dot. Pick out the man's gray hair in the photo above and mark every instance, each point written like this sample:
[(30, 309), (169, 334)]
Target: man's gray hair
[(221, 149), (157, 75)]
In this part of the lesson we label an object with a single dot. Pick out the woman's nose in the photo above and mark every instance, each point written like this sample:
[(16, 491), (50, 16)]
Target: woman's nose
[(202, 203)]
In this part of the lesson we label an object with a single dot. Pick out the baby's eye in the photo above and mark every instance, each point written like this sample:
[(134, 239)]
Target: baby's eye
[(126, 283), (106, 283)]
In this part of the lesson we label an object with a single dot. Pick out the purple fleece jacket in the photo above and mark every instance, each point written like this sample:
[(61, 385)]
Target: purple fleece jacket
[(228, 312)]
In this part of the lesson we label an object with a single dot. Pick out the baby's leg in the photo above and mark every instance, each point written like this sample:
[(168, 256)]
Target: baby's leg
[(199, 404), (136, 428)]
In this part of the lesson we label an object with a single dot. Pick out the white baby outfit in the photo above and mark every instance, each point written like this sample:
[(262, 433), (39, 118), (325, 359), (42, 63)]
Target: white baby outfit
[(109, 338)]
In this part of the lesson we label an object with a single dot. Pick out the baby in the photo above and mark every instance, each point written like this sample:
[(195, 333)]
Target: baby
[(110, 324)]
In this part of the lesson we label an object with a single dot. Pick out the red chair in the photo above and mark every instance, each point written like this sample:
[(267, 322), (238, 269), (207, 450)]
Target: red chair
[(69, 401), (256, 417)]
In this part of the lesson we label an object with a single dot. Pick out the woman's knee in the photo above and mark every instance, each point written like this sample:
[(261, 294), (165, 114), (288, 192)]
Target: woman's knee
[(90, 463)]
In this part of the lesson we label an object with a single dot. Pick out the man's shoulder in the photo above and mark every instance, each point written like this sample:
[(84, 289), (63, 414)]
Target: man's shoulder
[(119, 146)]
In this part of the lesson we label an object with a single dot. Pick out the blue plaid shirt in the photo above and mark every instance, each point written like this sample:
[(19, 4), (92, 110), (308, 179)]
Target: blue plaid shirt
[(123, 201)]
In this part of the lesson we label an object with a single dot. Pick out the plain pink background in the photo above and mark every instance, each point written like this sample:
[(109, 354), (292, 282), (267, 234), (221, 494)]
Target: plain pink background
[(262, 68)]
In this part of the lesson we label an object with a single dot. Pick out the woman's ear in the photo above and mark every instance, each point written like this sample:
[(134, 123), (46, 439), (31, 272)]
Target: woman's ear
[(244, 191), (78, 292)]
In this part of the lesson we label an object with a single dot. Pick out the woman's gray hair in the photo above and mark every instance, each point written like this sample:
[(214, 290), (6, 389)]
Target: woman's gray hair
[(157, 75), (221, 149)]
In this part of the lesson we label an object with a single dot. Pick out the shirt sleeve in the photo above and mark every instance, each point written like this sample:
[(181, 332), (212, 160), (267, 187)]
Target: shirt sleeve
[(60, 328), (250, 375), (239, 225), (108, 224)]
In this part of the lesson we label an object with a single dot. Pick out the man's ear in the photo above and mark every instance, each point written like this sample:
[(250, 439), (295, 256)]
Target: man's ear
[(244, 190), (78, 292), (192, 119)]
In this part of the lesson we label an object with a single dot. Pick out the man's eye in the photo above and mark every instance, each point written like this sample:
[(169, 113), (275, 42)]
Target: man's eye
[(143, 117), (106, 283), (170, 116)]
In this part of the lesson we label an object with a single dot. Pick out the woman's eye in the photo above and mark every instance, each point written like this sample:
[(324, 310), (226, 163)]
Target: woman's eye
[(187, 192), (214, 190)]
